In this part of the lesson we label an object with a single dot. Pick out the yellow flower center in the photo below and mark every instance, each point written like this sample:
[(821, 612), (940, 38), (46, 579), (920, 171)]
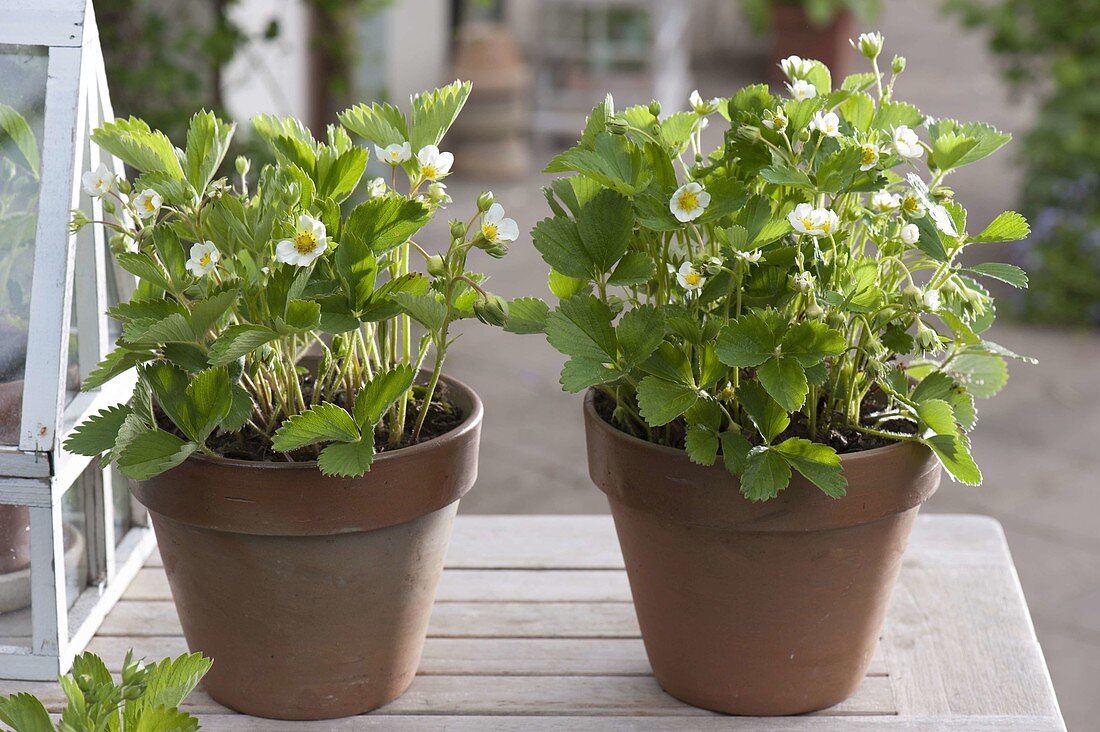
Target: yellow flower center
[(429, 171), (148, 203), (204, 260), (807, 222), (689, 201), (305, 242), (826, 225), (693, 279), (911, 204), (869, 156), (490, 231)]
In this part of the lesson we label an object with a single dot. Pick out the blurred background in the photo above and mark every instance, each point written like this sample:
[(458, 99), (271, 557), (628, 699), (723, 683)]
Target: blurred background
[(1030, 67)]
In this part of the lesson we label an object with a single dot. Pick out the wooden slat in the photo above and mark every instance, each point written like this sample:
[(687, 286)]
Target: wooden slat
[(471, 656), (531, 695)]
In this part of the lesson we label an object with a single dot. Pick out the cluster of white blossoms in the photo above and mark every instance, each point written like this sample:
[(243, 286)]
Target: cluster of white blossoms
[(827, 123), (812, 221), (434, 163)]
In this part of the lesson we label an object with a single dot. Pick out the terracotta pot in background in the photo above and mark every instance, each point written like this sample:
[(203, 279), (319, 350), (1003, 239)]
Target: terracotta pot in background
[(758, 608), (794, 34), (311, 594)]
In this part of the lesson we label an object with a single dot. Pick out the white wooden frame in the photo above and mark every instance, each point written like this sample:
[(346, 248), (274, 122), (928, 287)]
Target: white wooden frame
[(38, 472)]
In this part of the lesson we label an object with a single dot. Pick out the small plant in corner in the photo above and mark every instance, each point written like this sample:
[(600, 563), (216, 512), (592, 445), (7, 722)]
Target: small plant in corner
[(146, 699), (242, 281), (794, 295)]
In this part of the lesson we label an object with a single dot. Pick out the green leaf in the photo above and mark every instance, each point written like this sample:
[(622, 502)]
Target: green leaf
[(783, 174), (116, 362), (580, 373), (347, 459), (635, 268), (746, 341), (930, 241), (939, 385), (735, 451), (893, 114), (613, 161), (785, 380), (143, 267), (211, 399), (206, 313), (581, 327), (948, 149), (424, 309), (770, 418), (858, 109), (671, 363), (639, 333), (1008, 226), (837, 171), (381, 224), (133, 142), (302, 316), (434, 112), (818, 463), (324, 422), (173, 329), (661, 401), (1007, 273), (559, 242), (938, 416), (151, 453), (379, 395), (605, 225), (565, 287), (207, 143), (240, 411), (766, 473), (955, 456), (98, 433), (239, 340), (161, 719), (701, 444), (982, 375), (810, 342), (339, 174), (383, 124), (14, 127), (170, 680), (527, 315), (24, 713)]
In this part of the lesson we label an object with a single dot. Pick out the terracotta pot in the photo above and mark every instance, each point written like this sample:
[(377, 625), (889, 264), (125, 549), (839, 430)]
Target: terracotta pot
[(758, 608), (311, 594), (794, 34)]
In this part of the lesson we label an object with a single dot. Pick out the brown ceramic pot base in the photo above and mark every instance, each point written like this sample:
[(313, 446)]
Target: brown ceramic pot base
[(766, 608), (311, 594)]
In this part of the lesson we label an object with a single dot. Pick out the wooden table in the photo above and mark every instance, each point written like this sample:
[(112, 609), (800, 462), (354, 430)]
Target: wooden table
[(533, 629)]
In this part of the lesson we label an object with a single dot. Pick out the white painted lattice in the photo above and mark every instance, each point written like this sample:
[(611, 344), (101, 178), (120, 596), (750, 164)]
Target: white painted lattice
[(85, 541)]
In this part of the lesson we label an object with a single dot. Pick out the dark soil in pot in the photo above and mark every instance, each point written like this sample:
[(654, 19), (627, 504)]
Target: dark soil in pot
[(758, 608), (311, 594)]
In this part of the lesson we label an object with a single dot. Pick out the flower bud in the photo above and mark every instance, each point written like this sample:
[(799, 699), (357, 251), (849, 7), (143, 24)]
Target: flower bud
[(458, 229), (123, 185), (898, 64), (484, 201), (927, 338), (712, 265), (727, 392), (748, 132), (655, 108), (868, 44), (437, 266), (912, 296), (491, 309), (243, 165), (814, 311), (616, 126)]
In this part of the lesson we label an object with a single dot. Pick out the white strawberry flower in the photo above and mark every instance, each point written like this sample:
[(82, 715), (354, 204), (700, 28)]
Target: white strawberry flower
[(912, 206), (910, 234), (801, 89), (748, 257), (496, 228), (939, 214), (906, 143), (394, 154), (883, 201), (433, 163), (776, 120), (204, 257), (812, 221), (803, 282), (437, 193), (703, 107), (868, 156), (827, 123), (868, 44), (147, 203), (376, 188), (796, 67), (688, 202), (310, 242), (931, 299), (98, 182), (688, 277)]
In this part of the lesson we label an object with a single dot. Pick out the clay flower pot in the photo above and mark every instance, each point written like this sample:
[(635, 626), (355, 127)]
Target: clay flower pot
[(758, 608), (310, 593)]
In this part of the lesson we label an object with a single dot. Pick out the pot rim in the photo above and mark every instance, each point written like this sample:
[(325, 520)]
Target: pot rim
[(475, 411), (845, 457)]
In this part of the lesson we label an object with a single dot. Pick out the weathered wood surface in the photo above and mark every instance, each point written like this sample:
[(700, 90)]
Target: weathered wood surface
[(533, 630)]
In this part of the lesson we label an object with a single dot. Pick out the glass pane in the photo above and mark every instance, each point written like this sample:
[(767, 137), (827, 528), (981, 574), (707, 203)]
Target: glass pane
[(15, 576), (22, 105), (75, 522)]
